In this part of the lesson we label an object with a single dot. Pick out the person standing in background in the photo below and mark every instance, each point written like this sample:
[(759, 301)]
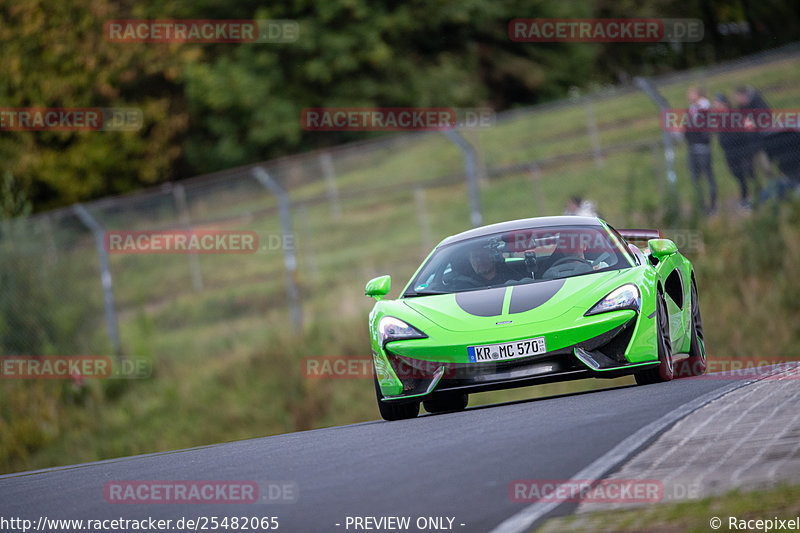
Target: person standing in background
[(738, 154), (750, 99), (700, 149), (579, 206)]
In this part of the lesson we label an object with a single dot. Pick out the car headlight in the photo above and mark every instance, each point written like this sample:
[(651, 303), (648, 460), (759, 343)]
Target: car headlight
[(394, 329), (625, 297)]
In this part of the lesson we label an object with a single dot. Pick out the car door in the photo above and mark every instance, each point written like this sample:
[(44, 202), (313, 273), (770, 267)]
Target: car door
[(675, 295)]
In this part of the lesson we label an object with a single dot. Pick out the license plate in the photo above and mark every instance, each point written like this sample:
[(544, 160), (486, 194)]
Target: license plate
[(506, 350)]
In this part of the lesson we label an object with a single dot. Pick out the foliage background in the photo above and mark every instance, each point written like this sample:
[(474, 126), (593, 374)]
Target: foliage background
[(210, 107)]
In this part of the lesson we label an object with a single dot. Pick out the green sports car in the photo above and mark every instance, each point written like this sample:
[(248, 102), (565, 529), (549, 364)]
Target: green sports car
[(534, 301)]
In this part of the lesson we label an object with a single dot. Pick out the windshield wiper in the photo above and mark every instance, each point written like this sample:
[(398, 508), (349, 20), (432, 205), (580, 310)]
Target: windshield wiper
[(425, 293)]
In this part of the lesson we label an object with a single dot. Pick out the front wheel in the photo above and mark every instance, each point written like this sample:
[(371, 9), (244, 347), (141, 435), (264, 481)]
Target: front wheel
[(665, 369), (395, 411)]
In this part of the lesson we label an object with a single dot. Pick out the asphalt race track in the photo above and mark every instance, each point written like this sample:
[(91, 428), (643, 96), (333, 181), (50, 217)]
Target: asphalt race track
[(457, 465)]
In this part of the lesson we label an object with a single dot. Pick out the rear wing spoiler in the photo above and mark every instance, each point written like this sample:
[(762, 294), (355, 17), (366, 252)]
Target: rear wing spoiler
[(640, 234)]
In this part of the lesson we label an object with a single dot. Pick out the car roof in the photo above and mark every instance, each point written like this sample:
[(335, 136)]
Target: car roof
[(522, 224)]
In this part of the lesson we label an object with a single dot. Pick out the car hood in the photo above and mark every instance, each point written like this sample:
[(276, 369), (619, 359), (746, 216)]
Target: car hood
[(519, 304)]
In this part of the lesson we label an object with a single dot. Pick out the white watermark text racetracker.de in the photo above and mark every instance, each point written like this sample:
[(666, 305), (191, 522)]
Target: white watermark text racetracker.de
[(145, 524), (605, 30), (70, 119)]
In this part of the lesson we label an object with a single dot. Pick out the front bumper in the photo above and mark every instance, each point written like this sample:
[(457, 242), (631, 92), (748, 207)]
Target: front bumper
[(602, 356)]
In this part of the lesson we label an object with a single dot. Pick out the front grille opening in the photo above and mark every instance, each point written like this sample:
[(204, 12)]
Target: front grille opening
[(615, 348)]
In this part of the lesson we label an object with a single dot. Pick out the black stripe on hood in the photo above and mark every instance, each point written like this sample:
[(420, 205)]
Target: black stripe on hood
[(530, 296), (488, 302)]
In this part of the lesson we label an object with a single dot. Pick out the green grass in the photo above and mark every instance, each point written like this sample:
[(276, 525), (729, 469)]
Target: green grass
[(226, 364), (782, 502)]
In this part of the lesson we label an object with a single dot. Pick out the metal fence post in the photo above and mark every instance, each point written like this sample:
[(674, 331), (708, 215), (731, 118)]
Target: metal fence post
[(657, 165), (671, 213), (326, 162), (308, 245), (52, 249), (179, 194), (669, 143), (290, 260), (424, 221), (105, 274), (536, 178), (591, 126), (471, 172)]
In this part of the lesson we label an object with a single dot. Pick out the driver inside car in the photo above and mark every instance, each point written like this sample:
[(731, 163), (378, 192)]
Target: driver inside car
[(488, 270)]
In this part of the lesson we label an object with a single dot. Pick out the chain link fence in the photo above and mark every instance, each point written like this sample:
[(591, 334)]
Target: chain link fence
[(356, 211)]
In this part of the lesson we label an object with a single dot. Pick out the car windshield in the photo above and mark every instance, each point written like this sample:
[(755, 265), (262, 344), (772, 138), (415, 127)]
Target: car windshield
[(518, 257)]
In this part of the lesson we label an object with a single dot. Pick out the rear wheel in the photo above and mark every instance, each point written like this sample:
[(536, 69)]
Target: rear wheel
[(395, 411), (445, 404), (695, 364), (665, 369)]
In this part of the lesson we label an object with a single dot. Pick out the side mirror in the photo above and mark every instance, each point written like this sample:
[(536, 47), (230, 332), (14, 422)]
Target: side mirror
[(661, 248), (378, 287)]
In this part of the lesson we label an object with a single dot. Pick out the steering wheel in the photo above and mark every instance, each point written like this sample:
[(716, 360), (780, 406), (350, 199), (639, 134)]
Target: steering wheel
[(603, 257), (461, 281), (566, 259)]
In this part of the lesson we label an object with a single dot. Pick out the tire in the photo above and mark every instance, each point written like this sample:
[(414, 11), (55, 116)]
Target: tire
[(446, 404), (666, 369), (695, 364), (395, 411)]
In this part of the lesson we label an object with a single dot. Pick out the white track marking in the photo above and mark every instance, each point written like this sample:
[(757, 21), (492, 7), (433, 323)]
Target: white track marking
[(756, 457), (523, 520)]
